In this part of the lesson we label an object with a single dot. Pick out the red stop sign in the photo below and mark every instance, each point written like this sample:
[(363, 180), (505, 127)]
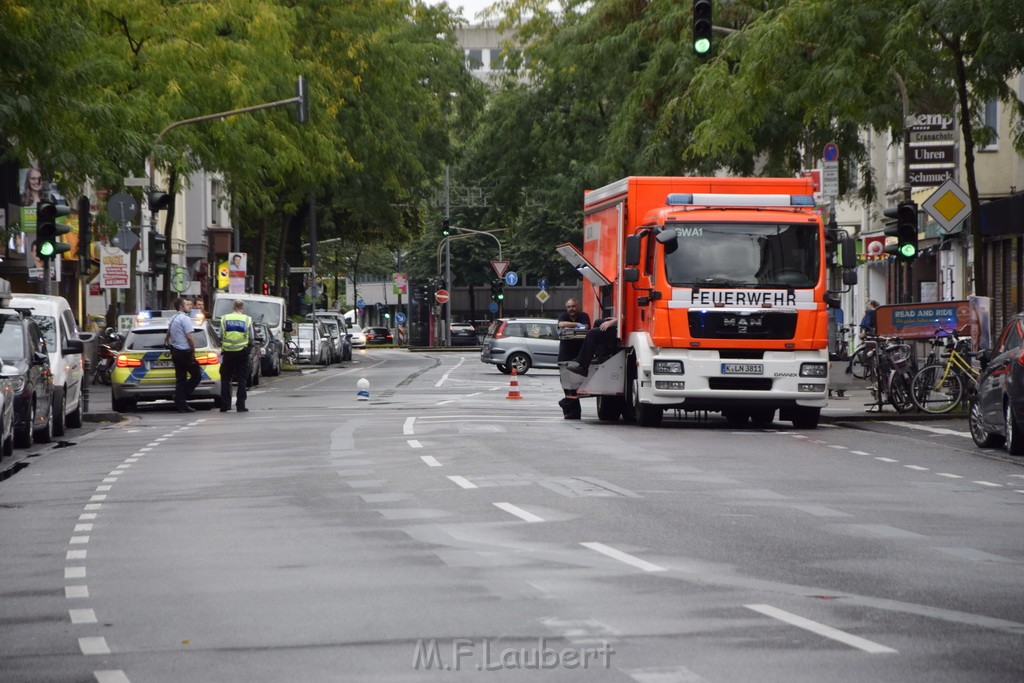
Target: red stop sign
[(441, 296)]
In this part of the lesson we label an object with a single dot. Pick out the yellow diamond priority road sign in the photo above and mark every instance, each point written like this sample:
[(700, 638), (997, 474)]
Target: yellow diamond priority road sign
[(948, 205)]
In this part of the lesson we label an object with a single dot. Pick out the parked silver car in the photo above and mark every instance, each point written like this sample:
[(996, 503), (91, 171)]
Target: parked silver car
[(521, 343), (314, 343)]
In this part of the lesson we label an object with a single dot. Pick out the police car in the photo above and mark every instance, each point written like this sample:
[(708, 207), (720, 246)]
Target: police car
[(144, 371)]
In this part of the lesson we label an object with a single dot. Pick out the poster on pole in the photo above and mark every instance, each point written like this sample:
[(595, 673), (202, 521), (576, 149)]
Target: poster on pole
[(238, 266), (114, 268)]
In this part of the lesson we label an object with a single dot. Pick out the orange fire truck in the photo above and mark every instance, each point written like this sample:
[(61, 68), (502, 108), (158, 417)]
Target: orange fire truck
[(719, 287)]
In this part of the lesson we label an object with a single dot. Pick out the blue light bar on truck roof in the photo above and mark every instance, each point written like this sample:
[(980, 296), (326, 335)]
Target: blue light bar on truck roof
[(711, 199)]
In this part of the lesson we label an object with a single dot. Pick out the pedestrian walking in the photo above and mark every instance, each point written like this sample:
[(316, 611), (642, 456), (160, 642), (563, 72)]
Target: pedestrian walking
[(236, 339), (187, 373), (869, 323), (573, 317)]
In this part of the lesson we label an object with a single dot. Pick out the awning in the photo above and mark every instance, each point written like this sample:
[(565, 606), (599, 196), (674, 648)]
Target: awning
[(1003, 216)]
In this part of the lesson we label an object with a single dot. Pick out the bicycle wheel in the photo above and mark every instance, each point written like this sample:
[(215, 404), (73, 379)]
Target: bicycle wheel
[(898, 390), (936, 391), (859, 362)]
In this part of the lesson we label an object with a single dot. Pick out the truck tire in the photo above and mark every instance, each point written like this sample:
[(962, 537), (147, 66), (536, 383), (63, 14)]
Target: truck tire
[(736, 418), (805, 418), (643, 414), (610, 408), (762, 417)]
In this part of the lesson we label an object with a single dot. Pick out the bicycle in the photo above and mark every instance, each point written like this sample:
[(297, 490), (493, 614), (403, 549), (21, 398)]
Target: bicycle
[(940, 388), (291, 353), (899, 359)]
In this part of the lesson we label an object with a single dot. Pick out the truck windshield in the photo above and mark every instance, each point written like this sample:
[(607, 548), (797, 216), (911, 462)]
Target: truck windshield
[(743, 255), (268, 312)]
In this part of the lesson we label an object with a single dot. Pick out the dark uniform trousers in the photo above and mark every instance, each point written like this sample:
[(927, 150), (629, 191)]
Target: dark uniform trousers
[(234, 365)]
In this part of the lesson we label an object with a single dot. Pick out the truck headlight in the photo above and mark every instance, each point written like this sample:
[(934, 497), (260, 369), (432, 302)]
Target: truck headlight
[(668, 367), (814, 369)]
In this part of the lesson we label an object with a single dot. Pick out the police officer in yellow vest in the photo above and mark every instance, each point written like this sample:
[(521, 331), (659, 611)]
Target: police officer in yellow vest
[(236, 338)]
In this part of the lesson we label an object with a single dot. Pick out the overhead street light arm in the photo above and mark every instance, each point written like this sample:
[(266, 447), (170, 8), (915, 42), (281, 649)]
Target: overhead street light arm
[(297, 100)]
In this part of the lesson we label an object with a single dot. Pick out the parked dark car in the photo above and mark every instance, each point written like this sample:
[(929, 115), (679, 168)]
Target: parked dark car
[(997, 410), (463, 334), (378, 335), (271, 349), (22, 346)]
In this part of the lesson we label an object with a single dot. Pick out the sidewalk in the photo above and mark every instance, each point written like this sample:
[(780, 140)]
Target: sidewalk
[(858, 405)]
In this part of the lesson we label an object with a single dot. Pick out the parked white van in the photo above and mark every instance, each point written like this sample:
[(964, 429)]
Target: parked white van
[(64, 345)]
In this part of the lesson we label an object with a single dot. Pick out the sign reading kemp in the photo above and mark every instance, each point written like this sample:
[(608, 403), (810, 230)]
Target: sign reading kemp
[(921, 321)]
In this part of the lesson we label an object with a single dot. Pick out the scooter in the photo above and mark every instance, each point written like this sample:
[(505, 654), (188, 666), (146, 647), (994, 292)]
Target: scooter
[(106, 356)]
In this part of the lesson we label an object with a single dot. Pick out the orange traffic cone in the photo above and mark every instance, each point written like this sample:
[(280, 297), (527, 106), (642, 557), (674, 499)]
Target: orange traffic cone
[(513, 386)]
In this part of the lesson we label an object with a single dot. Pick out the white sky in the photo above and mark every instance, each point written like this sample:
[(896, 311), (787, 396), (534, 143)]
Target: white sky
[(470, 8)]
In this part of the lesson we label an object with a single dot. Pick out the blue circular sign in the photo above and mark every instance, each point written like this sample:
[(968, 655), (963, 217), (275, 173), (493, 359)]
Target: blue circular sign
[(360, 304), (542, 283), (511, 278), (400, 317), (492, 307), (831, 152)]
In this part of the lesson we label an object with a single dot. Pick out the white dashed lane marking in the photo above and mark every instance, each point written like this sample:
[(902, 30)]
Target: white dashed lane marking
[(463, 482), (518, 512), (625, 558), (82, 616), (430, 460), (821, 629), (73, 592), (94, 645)]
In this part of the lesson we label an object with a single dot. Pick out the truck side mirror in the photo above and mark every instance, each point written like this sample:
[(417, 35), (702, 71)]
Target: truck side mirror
[(288, 326), (669, 239), (632, 255), (848, 253), (849, 276), (630, 274)]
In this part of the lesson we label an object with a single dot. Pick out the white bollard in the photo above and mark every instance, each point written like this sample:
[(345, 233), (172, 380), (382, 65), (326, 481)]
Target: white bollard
[(363, 385)]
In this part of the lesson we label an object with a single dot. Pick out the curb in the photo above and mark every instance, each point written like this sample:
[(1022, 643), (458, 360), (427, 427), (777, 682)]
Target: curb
[(103, 417)]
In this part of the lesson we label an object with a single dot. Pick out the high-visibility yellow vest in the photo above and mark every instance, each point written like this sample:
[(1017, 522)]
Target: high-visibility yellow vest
[(234, 331)]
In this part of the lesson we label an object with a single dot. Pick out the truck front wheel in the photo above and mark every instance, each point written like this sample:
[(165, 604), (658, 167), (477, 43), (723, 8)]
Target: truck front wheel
[(805, 418), (609, 408), (643, 414)]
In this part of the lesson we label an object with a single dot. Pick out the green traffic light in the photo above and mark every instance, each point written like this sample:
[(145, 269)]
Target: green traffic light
[(46, 249), (701, 46), (908, 251)]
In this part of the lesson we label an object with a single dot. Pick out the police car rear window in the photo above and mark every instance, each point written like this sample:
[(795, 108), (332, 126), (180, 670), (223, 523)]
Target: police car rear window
[(151, 340)]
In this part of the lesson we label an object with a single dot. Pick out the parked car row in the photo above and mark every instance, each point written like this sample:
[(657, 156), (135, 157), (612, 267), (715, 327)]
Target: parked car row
[(41, 371)]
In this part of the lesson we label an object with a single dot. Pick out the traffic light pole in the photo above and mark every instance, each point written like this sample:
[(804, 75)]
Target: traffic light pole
[(447, 334)]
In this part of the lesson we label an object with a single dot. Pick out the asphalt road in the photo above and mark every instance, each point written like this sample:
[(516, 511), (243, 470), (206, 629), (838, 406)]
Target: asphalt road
[(441, 530)]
